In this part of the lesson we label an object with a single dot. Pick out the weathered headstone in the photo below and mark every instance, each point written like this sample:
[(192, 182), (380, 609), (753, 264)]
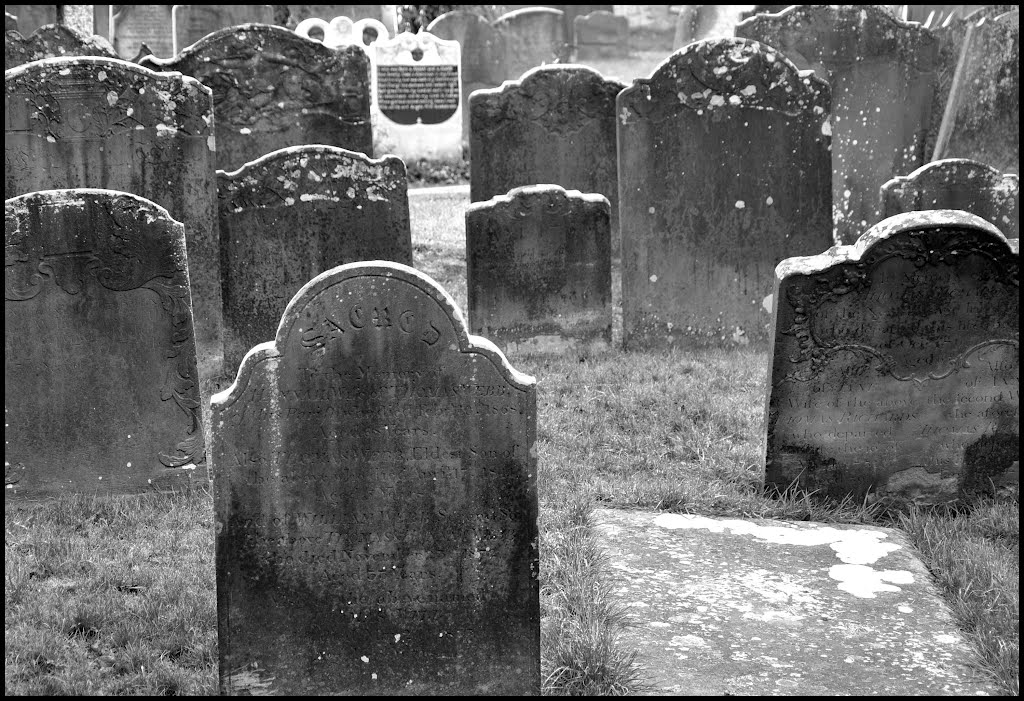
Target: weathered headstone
[(882, 72), (538, 270), (101, 391), (297, 13), (32, 17), (376, 502), (293, 214), (699, 22), (10, 22), (52, 40), (531, 37), (417, 104), (482, 54), (135, 25), (956, 183), (895, 368), (601, 35), (273, 89), (343, 31), (724, 170), (645, 16), (190, 23), (556, 125), (97, 122)]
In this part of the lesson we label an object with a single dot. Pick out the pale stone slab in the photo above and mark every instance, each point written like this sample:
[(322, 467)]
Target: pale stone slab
[(531, 36), (135, 25), (600, 34)]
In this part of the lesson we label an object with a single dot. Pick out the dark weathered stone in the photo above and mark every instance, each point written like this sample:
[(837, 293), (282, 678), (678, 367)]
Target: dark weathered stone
[(376, 500), (538, 270), (52, 40), (135, 25), (895, 368), (956, 183), (724, 170), (293, 214), (101, 390), (600, 35), (483, 54), (96, 122), (882, 72), (555, 126), (190, 23), (531, 37), (273, 89)]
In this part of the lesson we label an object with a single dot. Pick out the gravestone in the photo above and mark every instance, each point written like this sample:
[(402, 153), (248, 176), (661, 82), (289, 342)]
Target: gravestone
[(601, 35), (98, 122), (32, 17), (531, 37), (101, 391), (482, 54), (538, 270), (135, 25), (52, 40), (10, 22), (297, 13), (895, 368), (287, 217), (956, 183), (417, 106), (699, 22), (882, 72), (724, 170), (190, 23), (376, 500), (342, 31), (273, 89), (556, 125)]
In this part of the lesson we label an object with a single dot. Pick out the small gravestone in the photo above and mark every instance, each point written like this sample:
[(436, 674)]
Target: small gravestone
[(882, 71), (50, 41), (190, 23), (482, 54), (135, 25), (101, 391), (273, 89), (538, 270), (556, 125), (343, 31), (417, 106), (293, 214), (956, 183), (376, 500), (895, 368), (97, 122), (601, 35), (531, 37), (724, 170)]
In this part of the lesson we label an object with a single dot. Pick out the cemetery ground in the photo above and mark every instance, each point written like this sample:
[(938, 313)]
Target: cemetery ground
[(116, 595)]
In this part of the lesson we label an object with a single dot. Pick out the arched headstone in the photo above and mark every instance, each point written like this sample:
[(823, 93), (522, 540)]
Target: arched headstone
[(50, 41)]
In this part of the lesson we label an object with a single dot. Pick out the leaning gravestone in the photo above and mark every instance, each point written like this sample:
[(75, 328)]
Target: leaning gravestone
[(101, 391), (52, 40), (895, 368), (538, 270), (531, 37), (135, 25), (293, 214), (273, 89), (190, 23), (601, 34), (417, 104), (556, 125), (882, 72), (97, 122), (376, 500), (956, 183), (724, 170)]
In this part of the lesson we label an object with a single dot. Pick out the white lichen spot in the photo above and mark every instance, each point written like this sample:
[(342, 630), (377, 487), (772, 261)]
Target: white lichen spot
[(111, 98), (767, 303), (826, 128), (740, 204), (245, 130), (865, 582), (769, 200), (102, 75), (749, 90), (64, 71), (373, 676), (716, 101), (650, 210), (735, 99), (289, 200), (51, 139), (654, 278), (130, 111), (846, 194), (398, 636), (365, 659)]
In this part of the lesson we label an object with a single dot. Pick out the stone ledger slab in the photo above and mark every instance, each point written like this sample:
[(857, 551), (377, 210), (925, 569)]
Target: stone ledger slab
[(376, 500)]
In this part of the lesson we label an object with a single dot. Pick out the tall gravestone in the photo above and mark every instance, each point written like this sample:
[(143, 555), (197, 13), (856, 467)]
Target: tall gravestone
[(882, 71), (600, 34), (190, 23), (538, 270), (957, 183), (482, 54), (52, 40), (556, 125), (724, 170), (376, 500), (531, 37), (101, 390), (273, 89), (135, 25), (895, 367), (96, 122), (287, 217)]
